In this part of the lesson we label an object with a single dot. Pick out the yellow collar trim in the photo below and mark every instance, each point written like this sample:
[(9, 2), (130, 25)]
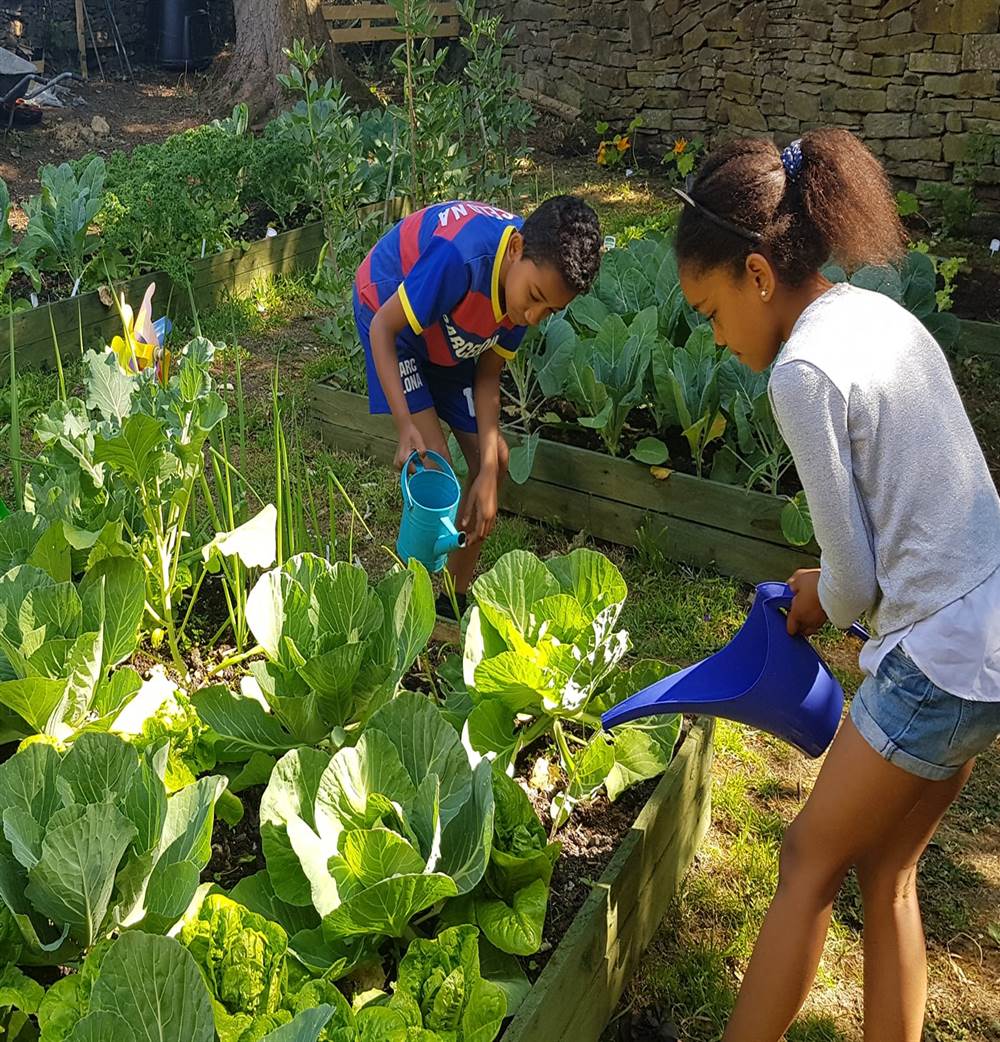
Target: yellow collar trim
[(497, 261)]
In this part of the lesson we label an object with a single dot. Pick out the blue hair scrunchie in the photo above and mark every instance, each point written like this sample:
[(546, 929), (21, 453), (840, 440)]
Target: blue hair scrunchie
[(791, 159)]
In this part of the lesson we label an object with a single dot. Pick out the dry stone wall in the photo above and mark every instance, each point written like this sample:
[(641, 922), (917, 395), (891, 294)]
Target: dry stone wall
[(918, 79)]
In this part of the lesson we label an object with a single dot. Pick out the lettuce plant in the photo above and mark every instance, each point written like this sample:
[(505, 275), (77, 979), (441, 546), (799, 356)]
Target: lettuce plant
[(142, 986), (541, 645), (381, 831), (335, 650), (92, 843)]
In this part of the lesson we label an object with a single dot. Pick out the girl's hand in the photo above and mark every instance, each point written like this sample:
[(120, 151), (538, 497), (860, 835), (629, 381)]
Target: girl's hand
[(806, 615), (481, 507), (410, 441)]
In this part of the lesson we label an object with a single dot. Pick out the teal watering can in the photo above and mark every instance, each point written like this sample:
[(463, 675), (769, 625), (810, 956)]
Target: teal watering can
[(430, 505)]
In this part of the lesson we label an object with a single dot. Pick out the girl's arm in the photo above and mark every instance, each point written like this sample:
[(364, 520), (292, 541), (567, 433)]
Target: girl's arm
[(812, 415)]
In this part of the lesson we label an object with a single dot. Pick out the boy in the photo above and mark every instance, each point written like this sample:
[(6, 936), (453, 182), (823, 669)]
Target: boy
[(441, 302)]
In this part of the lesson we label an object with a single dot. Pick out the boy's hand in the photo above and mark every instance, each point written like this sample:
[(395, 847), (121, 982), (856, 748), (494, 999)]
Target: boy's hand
[(410, 441), (806, 615), (481, 507)]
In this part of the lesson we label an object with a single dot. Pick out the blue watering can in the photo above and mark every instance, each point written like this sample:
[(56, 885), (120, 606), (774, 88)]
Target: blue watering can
[(763, 677), (430, 504)]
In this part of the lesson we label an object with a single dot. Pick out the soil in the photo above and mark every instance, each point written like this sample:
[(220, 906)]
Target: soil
[(589, 840), (157, 105), (977, 293), (236, 851)]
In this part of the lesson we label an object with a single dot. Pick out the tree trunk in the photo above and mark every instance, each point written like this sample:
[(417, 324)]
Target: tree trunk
[(263, 29)]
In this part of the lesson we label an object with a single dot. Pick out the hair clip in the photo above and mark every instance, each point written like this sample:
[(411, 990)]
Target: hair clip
[(721, 222), (791, 159)]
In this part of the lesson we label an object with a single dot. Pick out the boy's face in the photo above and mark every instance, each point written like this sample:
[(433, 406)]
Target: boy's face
[(739, 309), (532, 291)]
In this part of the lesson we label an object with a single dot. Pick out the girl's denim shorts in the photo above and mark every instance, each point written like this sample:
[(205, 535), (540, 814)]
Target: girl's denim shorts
[(912, 723)]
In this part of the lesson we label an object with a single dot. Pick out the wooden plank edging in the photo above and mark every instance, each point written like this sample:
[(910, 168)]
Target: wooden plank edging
[(699, 522), (579, 988)]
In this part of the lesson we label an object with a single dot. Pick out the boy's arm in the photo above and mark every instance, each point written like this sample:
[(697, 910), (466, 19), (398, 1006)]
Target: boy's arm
[(486, 394), (481, 505), (388, 322)]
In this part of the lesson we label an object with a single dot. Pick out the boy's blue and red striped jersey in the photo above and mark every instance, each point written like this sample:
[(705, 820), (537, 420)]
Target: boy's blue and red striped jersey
[(444, 261)]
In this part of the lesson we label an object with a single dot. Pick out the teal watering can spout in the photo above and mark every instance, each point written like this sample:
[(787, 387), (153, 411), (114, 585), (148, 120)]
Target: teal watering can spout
[(451, 540), (431, 496)]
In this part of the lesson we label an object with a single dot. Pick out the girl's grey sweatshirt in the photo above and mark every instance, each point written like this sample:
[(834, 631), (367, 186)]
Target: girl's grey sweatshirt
[(902, 502)]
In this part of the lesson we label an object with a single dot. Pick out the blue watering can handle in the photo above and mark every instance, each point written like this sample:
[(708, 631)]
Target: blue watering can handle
[(784, 600), (418, 464)]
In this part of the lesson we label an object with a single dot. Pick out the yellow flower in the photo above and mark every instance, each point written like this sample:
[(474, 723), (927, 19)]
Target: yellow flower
[(139, 348), (679, 145), (622, 143), (602, 156)]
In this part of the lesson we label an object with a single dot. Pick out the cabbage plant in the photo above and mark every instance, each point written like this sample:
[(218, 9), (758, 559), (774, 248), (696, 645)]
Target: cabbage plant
[(335, 649), (380, 832), (543, 649), (92, 843)]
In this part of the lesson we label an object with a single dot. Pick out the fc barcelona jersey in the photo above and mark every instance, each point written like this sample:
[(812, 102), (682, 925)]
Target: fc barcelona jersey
[(444, 261)]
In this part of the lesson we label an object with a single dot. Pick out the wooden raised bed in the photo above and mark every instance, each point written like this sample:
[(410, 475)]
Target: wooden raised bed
[(698, 522), (979, 338), (213, 279), (579, 988)]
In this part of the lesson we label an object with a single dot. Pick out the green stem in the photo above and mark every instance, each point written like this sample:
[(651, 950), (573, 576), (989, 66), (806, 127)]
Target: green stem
[(235, 660)]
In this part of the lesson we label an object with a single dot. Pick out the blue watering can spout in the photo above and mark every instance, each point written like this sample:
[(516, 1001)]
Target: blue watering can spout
[(431, 496), (763, 677), (450, 541)]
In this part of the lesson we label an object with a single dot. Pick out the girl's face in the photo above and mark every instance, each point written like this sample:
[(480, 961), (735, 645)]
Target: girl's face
[(740, 308)]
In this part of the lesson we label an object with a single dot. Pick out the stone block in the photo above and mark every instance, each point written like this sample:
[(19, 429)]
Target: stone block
[(641, 79), (927, 124), (981, 51), (738, 83), (948, 43), (978, 84), (870, 30), (747, 117), (917, 169), (955, 147), (900, 98), (932, 61), (887, 124), (954, 122), (694, 39), (640, 29), (905, 43), (975, 16), (858, 99), (856, 61), (914, 148), (933, 16), (802, 106), (986, 109), (888, 66), (900, 23)]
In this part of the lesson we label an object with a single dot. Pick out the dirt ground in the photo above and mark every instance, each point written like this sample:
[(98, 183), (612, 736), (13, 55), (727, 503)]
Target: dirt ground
[(158, 105)]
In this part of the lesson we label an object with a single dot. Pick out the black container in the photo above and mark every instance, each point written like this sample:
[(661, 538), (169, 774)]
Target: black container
[(185, 34)]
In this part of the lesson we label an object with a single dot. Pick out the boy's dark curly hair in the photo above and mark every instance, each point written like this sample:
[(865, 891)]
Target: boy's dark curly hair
[(564, 232)]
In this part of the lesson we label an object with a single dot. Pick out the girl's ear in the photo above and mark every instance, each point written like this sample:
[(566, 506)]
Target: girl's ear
[(761, 275)]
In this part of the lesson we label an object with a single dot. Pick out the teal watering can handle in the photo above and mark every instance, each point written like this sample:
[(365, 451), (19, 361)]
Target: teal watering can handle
[(418, 464), (784, 600)]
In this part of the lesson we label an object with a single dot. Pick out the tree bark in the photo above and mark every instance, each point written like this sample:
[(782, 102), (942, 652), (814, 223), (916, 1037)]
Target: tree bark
[(263, 29)]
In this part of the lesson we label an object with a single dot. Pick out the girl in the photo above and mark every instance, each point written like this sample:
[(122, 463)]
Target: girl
[(908, 520)]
